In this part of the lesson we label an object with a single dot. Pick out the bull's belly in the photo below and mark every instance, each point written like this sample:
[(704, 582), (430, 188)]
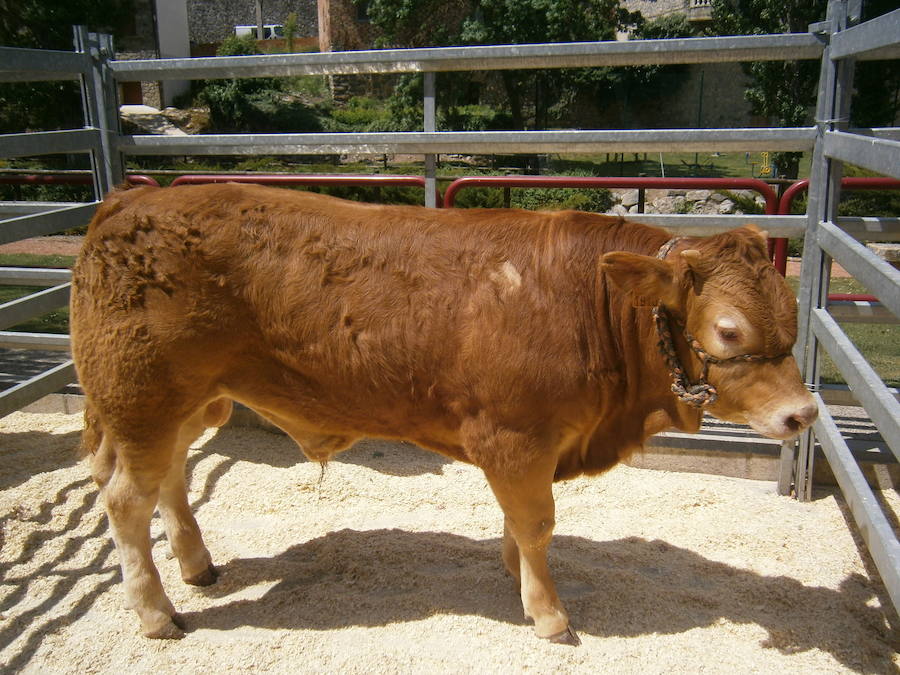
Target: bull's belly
[(325, 418)]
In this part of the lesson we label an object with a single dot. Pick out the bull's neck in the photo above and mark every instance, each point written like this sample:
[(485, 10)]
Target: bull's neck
[(644, 392)]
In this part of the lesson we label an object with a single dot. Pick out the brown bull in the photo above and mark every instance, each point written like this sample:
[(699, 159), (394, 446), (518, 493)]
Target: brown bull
[(524, 343)]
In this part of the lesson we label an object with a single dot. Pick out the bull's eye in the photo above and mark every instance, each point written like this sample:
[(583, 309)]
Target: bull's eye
[(728, 331), (729, 334)]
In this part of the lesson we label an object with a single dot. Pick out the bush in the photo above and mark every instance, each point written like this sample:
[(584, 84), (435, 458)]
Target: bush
[(360, 114), (253, 104), (473, 118)]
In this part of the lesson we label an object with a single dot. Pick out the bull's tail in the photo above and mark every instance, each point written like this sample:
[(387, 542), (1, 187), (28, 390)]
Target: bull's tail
[(92, 435)]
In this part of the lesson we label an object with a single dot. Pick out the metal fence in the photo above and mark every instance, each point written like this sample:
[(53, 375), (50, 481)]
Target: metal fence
[(837, 42)]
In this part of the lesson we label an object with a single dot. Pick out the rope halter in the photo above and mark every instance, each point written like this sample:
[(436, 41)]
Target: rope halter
[(701, 392)]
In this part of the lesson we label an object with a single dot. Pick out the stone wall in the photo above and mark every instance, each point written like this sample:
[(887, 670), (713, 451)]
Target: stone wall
[(214, 20)]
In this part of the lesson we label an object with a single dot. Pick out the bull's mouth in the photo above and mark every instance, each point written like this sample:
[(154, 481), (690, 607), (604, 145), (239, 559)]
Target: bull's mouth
[(785, 424)]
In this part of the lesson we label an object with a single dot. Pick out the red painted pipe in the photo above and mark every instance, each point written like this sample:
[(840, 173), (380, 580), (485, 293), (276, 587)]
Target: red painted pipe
[(857, 183), (305, 179), (62, 179)]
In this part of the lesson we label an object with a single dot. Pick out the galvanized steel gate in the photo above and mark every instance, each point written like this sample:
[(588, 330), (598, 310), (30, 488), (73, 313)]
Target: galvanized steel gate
[(838, 42)]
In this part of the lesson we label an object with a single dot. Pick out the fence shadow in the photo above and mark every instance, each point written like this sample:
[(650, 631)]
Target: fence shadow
[(28, 453)]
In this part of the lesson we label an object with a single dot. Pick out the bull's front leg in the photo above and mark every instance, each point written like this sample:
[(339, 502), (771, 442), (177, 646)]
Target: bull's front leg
[(527, 502)]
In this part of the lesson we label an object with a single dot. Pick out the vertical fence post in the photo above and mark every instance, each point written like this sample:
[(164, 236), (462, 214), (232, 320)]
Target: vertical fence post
[(832, 108), (430, 126), (100, 100)]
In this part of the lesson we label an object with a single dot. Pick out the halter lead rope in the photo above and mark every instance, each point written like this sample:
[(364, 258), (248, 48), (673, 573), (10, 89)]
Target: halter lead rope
[(702, 392)]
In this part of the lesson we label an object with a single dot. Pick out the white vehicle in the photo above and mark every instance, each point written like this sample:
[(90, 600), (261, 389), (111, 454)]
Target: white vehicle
[(271, 31)]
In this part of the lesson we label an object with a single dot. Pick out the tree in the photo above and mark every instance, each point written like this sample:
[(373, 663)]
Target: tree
[(47, 24), (782, 91), (785, 91), (535, 98)]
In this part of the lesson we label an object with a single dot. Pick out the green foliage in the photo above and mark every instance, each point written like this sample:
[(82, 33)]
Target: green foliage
[(532, 98), (555, 199), (253, 104), (785, 91), (47, 24), (876, 100), (539, 199), (473, 118), (360, 114), (290, 30)]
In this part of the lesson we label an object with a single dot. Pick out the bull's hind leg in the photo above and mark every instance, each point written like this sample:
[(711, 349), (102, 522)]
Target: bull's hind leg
[(527, 502), (181, 526), (136, 470)]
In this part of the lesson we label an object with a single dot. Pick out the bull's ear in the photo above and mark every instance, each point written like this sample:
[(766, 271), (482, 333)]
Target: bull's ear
[(762, 234), (649, 281)]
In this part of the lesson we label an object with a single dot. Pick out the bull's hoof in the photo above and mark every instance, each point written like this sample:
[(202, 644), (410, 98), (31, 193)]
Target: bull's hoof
[(206, 578), (168, 631), (566, 637)]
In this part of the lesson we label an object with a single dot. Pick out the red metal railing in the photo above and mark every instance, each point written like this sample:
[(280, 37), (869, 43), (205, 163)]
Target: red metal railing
[(860, 183), (306, 179), (64, 179)]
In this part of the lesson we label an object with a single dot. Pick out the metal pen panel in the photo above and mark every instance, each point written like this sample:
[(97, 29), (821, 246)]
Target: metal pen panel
[(875, 274), (49, 381), (29, 65), (873, 525), (476, 142), (43, 341), (860, 311), (17, 311), (34, 276), (870, 228), (867, 386), (24, 227), (49, 142), (875, 39), (877, 154), (701, 225), (478, 57)]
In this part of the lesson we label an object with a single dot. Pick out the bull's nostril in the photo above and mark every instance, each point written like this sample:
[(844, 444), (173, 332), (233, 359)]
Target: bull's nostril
[(802, 418)]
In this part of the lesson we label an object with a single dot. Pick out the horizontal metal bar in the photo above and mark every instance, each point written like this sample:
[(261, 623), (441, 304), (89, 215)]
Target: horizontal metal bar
[(476, 142), (15, 209), (877, 275), (42, 341), (878, 38), (871, 229), (878, 154), (889, 133), (34, 276), (34, 225), (28, 65), (874, 527), (49, 142), (841, 394), (37, 387), (478, 57), (36, 304), (701, 225), (881, 406), (855, 311)]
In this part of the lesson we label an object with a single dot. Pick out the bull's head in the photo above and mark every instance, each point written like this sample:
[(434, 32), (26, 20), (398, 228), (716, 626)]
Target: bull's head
[(734, 321)]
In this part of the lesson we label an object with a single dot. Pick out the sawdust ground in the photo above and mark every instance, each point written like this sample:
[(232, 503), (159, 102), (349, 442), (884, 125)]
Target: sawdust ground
[(390, 563)]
